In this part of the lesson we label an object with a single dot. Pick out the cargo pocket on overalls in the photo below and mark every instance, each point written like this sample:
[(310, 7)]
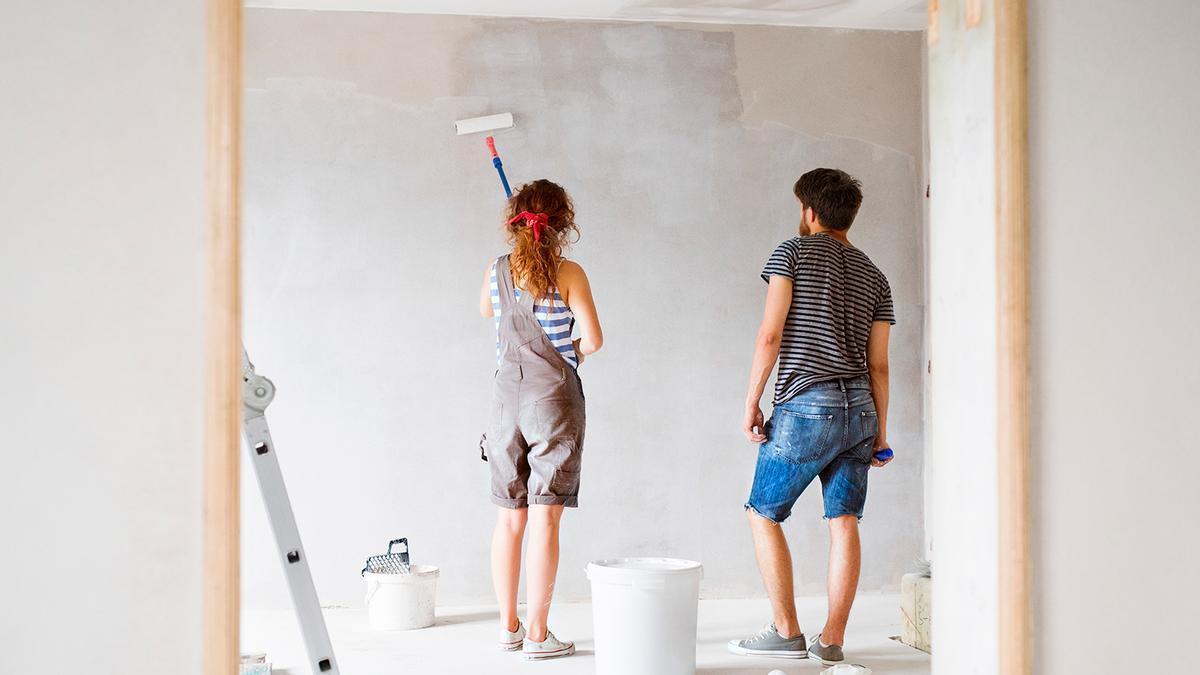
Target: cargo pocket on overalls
[(565, 483)]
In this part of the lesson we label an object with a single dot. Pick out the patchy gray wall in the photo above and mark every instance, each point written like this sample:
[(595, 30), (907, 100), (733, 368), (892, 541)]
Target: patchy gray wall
[(101, 355), (1114, 244), (368, 225)]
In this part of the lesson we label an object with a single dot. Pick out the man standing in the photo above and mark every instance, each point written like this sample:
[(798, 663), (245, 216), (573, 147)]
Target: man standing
[(827, 319)]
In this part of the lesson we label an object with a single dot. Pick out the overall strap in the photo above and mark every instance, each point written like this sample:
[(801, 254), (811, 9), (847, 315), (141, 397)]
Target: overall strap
[(504, 283)]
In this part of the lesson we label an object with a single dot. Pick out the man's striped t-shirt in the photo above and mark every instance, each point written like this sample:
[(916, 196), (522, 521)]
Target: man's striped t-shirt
[(837, 293)]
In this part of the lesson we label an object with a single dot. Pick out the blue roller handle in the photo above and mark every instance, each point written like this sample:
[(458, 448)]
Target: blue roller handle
[(884, 454), (503, 179)]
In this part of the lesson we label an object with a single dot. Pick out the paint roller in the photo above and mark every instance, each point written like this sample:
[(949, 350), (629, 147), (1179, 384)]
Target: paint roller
[(477, 125)]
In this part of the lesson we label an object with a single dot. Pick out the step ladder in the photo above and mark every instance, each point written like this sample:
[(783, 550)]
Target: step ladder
[(257, 394)]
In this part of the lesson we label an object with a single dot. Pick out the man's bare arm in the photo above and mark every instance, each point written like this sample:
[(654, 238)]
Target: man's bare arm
[(766, 351), (877, 366)]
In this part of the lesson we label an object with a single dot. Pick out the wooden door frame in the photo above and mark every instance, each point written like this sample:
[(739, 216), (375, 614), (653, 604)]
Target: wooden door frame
[(223, 340), (223, 382), (1012, 333)]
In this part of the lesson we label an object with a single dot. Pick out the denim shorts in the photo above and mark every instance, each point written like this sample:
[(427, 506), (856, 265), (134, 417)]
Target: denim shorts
[(826, 430)]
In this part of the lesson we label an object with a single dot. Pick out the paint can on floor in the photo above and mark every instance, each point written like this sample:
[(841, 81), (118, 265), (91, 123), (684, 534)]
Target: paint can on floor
[(402, 601), (644, 615)]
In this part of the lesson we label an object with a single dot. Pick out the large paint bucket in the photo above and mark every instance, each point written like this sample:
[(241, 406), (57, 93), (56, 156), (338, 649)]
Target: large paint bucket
[(644, 614)]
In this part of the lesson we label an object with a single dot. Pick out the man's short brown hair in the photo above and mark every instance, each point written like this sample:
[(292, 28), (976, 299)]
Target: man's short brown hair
[(832, 194)]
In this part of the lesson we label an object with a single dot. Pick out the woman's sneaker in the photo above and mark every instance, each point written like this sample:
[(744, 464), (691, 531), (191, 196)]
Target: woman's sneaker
[(511, 641), (828, 655), (769, 642), (549, 648)]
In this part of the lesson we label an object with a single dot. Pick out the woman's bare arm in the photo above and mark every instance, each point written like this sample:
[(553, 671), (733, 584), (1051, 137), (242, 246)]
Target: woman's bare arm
[(485, 293), (577, 293)]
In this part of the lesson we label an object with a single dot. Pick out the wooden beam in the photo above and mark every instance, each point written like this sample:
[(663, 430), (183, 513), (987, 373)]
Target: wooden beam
[(931, 28), (223, 341), (1012, 268), (974, 14)]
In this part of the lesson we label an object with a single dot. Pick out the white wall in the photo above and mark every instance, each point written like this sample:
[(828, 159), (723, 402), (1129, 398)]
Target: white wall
[(100, 261), (368, 225), (963, 346), (1115, 240)]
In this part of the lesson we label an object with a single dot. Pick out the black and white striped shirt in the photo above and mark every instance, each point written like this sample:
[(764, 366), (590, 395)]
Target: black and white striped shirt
[(837, 293)]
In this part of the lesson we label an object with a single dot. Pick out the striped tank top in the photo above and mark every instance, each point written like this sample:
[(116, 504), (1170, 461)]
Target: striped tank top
[(552, 313)]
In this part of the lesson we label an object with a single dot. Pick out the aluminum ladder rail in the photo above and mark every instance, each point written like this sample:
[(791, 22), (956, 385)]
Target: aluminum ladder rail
[(257, 394)]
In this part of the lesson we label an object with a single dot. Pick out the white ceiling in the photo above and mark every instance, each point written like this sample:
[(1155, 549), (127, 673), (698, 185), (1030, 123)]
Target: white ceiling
[(877, 14)]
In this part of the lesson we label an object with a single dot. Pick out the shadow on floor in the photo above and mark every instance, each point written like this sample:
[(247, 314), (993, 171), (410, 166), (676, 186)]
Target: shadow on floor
[(810, 667), (475, 617)]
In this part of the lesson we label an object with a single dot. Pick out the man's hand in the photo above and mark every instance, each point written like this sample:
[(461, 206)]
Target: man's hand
[(752, 424), (880, 443)]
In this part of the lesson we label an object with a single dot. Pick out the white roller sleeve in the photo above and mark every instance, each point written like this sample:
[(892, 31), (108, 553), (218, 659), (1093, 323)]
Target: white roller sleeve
[(475, 125)]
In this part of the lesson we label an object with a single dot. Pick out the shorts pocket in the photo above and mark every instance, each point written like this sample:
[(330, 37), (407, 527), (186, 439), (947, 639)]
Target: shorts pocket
[(559, 421), (808, 415), (496, 418), (800, 437), (565, 483), (864, 427), (868, 421)]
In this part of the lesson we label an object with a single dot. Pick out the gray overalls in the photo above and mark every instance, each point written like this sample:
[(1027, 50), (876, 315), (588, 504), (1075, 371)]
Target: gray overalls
[(534, 442)]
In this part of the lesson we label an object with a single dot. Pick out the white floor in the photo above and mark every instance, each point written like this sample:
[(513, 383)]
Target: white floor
[(461, 641)]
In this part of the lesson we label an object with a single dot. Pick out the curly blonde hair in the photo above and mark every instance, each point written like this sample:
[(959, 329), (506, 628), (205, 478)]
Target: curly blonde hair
[(535, 260)]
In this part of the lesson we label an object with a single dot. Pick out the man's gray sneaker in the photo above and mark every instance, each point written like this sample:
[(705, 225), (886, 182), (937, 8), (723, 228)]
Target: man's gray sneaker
[(769, 642), (828, 655)]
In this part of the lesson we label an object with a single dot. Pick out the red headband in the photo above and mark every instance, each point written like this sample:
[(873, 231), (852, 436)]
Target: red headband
[(538, 221)]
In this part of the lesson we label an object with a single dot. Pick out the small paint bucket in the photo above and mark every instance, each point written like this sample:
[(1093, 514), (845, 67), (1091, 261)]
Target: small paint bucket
[(402, 601)]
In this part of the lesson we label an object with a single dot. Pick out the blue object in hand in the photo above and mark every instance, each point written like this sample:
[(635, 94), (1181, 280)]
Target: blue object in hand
[(884, 454)]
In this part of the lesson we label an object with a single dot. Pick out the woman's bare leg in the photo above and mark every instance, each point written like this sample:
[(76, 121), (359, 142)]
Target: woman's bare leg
[(541, 566), (506, 562)]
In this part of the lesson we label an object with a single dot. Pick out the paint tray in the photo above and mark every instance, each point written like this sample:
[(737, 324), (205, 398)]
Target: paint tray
[(390, 563), (254, 664)]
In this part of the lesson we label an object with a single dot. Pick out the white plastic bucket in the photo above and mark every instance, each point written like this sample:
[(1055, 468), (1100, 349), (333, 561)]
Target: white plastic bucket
[(644, 615), (401, 601)]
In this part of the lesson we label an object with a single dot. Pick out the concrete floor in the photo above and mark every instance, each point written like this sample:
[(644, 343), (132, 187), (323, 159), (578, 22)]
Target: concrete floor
[(461, 641)]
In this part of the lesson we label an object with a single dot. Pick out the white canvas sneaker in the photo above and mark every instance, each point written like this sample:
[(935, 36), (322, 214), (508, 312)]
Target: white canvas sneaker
[(549, 648), (511, 641)]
